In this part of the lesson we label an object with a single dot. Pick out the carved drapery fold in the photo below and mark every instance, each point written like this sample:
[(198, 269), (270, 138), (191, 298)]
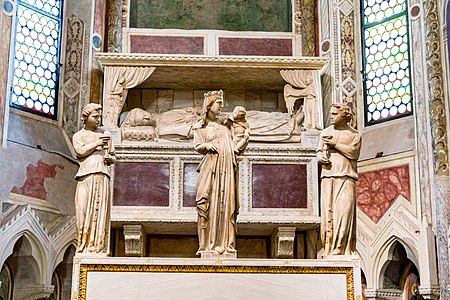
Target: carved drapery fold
[(298, 78), (308, 80), (117, 82)]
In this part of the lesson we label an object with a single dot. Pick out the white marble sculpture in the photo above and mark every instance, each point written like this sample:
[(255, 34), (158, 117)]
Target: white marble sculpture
[(240, 129), (216, 198), (177, 125), (95, 153), (338, 152), (304, 85)]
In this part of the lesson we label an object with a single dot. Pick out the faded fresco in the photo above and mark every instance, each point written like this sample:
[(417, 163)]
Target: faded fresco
[(251, 15)]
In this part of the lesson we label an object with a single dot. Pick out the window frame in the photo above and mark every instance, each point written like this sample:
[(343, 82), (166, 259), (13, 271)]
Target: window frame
[(364, 27), (58, 63)]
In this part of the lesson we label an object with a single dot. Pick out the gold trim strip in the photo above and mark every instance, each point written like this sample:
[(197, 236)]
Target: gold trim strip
[(85, 268)]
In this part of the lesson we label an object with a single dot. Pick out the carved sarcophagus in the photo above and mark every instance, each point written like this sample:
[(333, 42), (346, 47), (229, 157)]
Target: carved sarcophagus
[(151, 104)]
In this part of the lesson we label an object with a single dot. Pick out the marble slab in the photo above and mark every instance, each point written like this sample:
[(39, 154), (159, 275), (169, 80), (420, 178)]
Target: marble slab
[(170, 278)]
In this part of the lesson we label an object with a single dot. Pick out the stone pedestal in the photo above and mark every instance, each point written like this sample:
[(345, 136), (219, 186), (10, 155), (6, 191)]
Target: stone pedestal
[(310, 138), (190, 278), (213, 255)]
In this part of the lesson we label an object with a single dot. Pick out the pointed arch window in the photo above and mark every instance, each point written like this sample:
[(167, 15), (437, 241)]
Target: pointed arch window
[(386, 60), (37, 44)]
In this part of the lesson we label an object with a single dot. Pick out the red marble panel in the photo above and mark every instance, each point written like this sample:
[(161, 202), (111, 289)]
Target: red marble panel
[(376, 191), (141, 184), (257, 47), (189, 183), (166, 44), (34, 183), (279, 186)]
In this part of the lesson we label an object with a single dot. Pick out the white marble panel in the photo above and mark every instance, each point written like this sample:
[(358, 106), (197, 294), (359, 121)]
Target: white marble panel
[(162, 286), (174, 278)]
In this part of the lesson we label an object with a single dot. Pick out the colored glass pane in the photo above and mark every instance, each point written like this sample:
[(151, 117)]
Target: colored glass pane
[(386, 67), (36, 61)]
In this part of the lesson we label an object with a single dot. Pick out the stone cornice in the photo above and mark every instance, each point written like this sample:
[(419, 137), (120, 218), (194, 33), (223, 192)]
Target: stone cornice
[(152, 60), (152, 149)]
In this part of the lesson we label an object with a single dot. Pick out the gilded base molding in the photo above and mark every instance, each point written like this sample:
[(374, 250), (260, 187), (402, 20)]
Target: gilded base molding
[(86, 268)]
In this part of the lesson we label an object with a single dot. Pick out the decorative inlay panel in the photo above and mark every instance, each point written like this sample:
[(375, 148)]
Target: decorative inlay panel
[(376, 191), (72, 74), (166, 44), (279, 186), (255, 46), (141, 184)]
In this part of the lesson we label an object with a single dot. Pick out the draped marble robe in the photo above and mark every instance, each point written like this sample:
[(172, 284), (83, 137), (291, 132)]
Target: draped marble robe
[(92, 196), (216, 199), (216, 195), (338, 190)]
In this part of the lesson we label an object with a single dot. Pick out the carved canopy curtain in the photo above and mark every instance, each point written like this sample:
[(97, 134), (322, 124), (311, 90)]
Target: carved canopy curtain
[(302, 79), (117, 82)]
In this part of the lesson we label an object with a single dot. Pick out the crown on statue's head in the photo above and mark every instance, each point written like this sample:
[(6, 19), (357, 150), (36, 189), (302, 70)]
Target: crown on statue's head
[(214, 94)]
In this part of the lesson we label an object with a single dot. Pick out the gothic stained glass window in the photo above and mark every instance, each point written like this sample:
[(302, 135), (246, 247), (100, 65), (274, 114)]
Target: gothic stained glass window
[(387, 84), (36, 62)]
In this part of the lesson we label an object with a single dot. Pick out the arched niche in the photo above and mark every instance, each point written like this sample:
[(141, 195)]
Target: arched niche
[(62, 275), (6, 282), (398, 271)]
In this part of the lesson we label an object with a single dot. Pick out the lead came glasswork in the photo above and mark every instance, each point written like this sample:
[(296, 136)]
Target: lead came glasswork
[(386, 60), (37, 56)]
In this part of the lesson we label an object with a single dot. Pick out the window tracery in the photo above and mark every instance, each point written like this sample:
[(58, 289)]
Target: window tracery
[(36, 56), (386, 60)]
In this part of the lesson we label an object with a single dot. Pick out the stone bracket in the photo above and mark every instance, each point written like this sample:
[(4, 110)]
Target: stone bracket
[(283, 242), (135, 240)]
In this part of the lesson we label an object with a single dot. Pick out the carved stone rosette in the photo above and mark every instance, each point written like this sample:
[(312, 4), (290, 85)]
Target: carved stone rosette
[(134, 237), (283, 242)]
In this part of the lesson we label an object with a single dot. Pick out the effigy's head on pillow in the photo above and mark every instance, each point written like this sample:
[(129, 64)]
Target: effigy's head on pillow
[(139, 117)]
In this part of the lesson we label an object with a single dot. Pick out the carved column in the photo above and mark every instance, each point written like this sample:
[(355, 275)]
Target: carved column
[(115, 25), (283, 242), (134, 236), (311, 243), (438, 122)]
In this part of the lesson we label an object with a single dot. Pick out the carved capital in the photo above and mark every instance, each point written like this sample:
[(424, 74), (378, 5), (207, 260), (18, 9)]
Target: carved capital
[(283, 242), (429, 292), (32, 292), (134, 236), (378, 294)]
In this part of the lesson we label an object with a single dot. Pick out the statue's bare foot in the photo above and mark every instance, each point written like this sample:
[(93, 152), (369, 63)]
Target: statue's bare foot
[(219, 249), (336, 252)]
